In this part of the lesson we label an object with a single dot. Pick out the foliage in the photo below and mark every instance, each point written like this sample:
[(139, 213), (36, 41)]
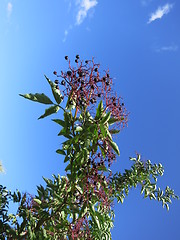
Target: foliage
[(80, 204)]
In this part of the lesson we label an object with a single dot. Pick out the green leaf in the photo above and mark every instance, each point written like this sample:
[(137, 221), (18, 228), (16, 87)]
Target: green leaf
[(99, 110), (102, 168), (37, 97), (121, 199), (37, 201), (68, 167), (106, 118), (66, 159), (65, 133), (60, 122), (56, 92), (113, 120), (115, 147), (83, 210), (109, 135), (114, 131), (60, 151), (49, 111), (103, 130), (94, 218)]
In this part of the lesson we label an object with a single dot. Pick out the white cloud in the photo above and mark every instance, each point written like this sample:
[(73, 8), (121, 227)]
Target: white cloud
[(160, 12), (9, 9), (170, 48), (66, 32), (145, 2), (84, 7)]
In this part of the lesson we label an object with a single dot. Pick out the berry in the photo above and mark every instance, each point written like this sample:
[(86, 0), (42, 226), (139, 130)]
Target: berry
[(96, 69), (82, 82), (92, 87), (107, 75), (56, 82), (63, 82), (81, 103), (122, 104), (77, 56), (95, 79), (114, 104), (99, 95), (120, 108), (104, 79), (86, 61), (55, 73), (99, 154), (66, 57), (70, 102), (92, 100), (81, 89), (57, 87), (80, 74), (69, 73), (109, 165), (107, 83), (76, 60)]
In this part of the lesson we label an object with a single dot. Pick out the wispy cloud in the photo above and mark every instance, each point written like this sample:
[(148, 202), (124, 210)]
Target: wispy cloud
[(66, 32), (145, 2), (9, 9), (170, 48), (84, 7), (160, 12)]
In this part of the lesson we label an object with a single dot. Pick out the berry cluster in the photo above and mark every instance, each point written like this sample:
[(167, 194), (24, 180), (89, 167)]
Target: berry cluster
[(86, 87)]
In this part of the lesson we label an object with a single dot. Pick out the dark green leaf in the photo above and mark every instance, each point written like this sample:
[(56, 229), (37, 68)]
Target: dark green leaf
[(65, 133), (37, 97), (113, 120), (60, 122), (106, 118), (49, 111), (103, 130), (68, 167), (114, 131), (56, 92), (66, 159), (99, 110), (109, 135), (60, 151), (115, 147)]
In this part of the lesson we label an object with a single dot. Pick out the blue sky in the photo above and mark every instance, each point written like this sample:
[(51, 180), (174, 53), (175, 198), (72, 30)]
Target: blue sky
[(139, 41)]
